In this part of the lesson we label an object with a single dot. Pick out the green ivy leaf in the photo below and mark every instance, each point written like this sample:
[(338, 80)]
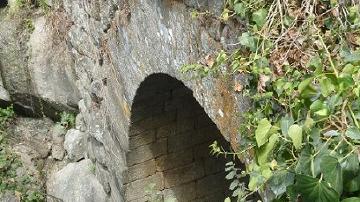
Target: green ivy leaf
[(230, 175), (227, 199), (352, 199), (304, 84), (326, 86), (314, 190), (285, 124), (322, 150), (306, 88), (259, 17), (262, 132), (234, 184), (332, 171), (309, 123), (295, 133), (264, 151), (353, 133), (353, 184), (240, 9), (351, 165), (322, 112), (353, 58), (280, 181), (247, 40), (256, 178), (304, 163), (315, 63)]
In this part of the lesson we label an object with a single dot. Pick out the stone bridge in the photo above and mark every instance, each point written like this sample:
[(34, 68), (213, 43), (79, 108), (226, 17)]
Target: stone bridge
[(117, 63)]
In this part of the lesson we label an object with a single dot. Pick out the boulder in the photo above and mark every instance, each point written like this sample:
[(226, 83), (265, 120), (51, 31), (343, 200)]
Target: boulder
[(76, 182), (75, 144), (36, 68)]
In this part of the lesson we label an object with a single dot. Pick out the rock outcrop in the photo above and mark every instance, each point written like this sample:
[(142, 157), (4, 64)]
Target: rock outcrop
[(37, 69), (76, 182)]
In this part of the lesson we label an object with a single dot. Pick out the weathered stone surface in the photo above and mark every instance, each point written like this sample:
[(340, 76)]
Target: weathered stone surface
[(8, 197), (37, 69), (58, 137), (183, 193), (4, 94), (136, 189), (76, 183), (141, 170), (74, 144), (32, 140), (106, 49)]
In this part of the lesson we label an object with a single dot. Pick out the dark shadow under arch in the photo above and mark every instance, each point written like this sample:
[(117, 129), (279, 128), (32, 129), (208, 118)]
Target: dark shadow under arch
[(169, 140), (3, 3)]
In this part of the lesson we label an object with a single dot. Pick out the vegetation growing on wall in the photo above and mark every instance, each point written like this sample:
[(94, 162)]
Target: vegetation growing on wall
[(23, 186), (21, 4), (302, 61)]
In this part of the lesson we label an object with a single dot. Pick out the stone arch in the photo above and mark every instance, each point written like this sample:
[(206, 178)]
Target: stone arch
[(169, 140)]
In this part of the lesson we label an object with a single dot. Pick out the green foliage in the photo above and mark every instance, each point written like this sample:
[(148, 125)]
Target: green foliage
[(237, 185), (6, 114), (209, 66), (29, 25), (19, 5), (92, 168), (24, 186), (313, 189), (302, 66), (67, 120)]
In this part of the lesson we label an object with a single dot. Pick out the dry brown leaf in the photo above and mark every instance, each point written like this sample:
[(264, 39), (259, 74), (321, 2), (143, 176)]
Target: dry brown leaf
[(262, 82), (353, 38), (209, 61), (238, 87)]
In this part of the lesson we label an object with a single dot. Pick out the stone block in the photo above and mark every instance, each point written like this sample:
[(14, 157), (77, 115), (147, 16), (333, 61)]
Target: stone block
[(180, 142), (145, 111), (202, 151), (136, 189), (214, 165), (147, 152), (210, 184), (141, 126), (204, 135), (141, 139), (213, 197), (183, 175), (163, 119), (182, 193), (139, 171), (174, 160), (185, 125), (166, 130)]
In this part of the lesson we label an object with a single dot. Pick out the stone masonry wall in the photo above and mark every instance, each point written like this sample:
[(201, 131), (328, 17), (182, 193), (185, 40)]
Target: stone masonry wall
[(102, 50), (169, 142)]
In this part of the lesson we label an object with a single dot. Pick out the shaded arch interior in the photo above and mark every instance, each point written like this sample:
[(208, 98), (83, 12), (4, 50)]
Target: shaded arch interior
[(3, 3), (169, 140)]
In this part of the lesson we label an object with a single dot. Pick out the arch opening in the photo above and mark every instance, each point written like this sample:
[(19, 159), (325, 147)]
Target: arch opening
[(169, 140), (3, 3)]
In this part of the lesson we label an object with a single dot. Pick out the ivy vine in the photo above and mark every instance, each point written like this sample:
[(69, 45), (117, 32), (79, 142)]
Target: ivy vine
[(302, 61)]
